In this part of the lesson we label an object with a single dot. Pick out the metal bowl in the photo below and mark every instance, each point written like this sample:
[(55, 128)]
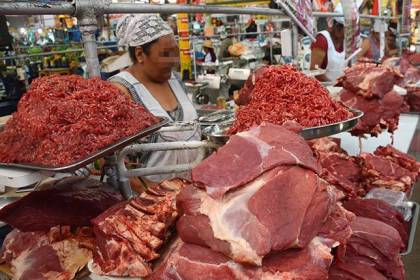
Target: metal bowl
[(218, 133)]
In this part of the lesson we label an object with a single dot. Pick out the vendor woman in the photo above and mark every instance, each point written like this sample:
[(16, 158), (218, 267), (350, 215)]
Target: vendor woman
[(328, 50), (151, 82)]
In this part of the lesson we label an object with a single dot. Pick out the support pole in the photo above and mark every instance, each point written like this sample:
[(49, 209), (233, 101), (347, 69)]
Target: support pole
[(87, 12), (34, 8)]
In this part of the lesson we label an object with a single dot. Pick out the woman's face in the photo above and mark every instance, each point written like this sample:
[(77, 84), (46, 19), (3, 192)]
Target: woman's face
[(162, 57)]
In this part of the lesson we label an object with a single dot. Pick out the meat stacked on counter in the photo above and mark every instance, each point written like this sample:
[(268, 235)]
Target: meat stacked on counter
[(129, 235), (278, 94), (355, 176), (52, 238), (257, 209), (62, 119), (59, 253), (53, 227), (379, 233), (368, 87)]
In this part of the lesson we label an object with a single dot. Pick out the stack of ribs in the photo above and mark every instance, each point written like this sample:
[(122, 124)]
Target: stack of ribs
[(369, 88), (130, 234), (257, 209)]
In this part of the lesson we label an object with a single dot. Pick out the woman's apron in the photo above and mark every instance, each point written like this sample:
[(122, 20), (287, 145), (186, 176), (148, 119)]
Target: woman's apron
[(336, 60), (164, 158)]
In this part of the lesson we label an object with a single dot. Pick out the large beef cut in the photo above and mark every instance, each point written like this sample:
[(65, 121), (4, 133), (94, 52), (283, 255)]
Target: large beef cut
[(379, 114), (402, 159), (58, 254), (380, 172), (413, 99), (338, 168), (376, 244), (246, 224), (369, 80), (63, 119), (342, 171), (337, 227), (381, 211), (281, 94), (354, 271), (129, 235), (192, 262), (249, 154), (72, 201)]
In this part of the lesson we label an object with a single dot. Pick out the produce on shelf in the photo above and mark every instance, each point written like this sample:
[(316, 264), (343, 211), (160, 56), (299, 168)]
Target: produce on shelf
[(129, 235), (368, 87), (63, 119), (59, 253), (281, 94)]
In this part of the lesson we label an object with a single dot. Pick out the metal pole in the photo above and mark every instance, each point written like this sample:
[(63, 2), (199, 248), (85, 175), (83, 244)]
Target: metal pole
[(295, 40), (33, 8), (296, 21), (133, 8), (86, 12), (382, 33), (330, 14)]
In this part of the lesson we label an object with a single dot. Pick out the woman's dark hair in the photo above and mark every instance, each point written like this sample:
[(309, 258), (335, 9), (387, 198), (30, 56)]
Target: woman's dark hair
[(146, 49)]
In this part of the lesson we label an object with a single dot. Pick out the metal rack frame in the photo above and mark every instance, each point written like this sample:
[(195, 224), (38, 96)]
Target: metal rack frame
[(87, 12)]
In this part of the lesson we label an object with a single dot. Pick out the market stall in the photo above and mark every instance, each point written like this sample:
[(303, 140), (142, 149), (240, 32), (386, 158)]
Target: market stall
[(296, 183)]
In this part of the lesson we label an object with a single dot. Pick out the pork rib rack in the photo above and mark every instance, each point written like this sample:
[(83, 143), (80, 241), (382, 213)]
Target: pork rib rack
[(129, 235)]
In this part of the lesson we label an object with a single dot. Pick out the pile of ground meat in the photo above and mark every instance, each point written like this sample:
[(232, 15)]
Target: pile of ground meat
[(282, 93), (63, 119)]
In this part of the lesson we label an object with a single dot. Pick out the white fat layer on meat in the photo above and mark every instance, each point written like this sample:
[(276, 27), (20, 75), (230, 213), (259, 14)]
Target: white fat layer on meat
[(236, 202), (292, 155), (20, 264), (365, 85), (261, 145), (319, 251)]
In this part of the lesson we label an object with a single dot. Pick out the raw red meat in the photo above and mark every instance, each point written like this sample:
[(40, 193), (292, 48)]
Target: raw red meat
[(280, 94), (62, 119), (283, 208), (57, 254), (326, 144), (413, 99), (376, 244), (369, 80), (245, 94), (192, 262), (381, 211), (337, 227), (354, 271), (73, 205), (379, 114), (249, 154), (402, 159), (381, 172), (341, 171), (129, 234)]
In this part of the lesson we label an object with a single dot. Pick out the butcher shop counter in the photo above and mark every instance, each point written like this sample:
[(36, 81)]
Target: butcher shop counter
[(403, 137)]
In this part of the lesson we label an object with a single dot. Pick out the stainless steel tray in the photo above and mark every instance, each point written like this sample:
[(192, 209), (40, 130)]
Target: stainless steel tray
[(412, 228), (91, 158), (217, 133), (332, 129)]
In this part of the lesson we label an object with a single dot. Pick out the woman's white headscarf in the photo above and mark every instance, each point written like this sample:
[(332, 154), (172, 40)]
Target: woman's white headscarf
[(137, 30)]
